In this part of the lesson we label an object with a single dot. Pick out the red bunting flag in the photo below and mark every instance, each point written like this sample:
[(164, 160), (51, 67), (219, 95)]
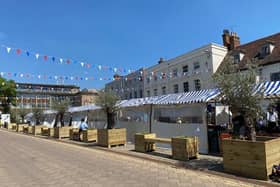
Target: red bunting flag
[(68, 61), (18, 51), (45, 57)]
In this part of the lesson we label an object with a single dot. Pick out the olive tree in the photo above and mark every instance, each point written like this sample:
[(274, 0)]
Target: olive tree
[(107, 101), (61, 106), (237, 84)]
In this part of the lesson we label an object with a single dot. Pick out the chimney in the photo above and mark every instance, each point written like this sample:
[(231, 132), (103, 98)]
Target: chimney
[(226, 38), (234, 40), (230, 40), (160, 60)]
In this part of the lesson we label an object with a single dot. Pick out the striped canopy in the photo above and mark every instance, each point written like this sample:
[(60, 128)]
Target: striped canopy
[(83, 108), (269, 89), (178, 98)]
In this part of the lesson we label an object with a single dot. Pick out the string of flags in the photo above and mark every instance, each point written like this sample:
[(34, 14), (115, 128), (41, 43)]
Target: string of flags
[(52, 77), (61, 60)]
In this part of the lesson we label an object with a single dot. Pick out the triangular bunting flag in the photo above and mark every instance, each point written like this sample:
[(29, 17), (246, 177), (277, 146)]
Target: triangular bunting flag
[(37, 56), (8, 49)]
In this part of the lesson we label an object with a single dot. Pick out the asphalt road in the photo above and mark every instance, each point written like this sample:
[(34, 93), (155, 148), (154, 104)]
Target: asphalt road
[(31, 161)]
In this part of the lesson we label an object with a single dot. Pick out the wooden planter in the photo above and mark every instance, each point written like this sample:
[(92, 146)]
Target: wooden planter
[(50, 132), (44, 131), (61, 132), (89, 135), (30, 129), (36, 130), (111, 137), (20, 127), (141, 145), (184, 148), (25, 129), (72, 132), (11, 126), (14, 126), (251, 159)]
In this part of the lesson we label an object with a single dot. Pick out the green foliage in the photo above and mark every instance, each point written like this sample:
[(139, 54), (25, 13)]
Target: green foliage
[(7, 94), (237, 87), (61, 106), (107, 101)]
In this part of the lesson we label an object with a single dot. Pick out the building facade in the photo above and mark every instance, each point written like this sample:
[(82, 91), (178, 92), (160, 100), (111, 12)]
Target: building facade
[(264, 52), (31, 95), (191, 71), (128, 86)]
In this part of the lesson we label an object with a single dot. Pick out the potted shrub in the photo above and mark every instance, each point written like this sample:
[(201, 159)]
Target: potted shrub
[(110, 136)]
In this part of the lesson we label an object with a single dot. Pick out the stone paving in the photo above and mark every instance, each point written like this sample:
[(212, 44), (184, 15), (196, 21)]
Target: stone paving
[(31, 161)]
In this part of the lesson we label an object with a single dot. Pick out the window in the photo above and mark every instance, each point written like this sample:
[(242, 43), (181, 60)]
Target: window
[(175, 88), (275, 76), (186, 86), (185, 69), (265, 50), (140, 93), (155, 77), (148, 93), (135, 94), (197, 85), (196, 65), (163, 89), (236, 58), (148, 80), (130, 95), (175, 72), (155, 92)]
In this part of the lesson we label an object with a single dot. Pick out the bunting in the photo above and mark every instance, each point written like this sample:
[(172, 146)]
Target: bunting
[(68, 61)]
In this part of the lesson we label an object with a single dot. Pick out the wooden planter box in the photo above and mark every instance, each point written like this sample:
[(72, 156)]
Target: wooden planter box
[(36, 130), (11, 126), (251, 159), (141, 145), (111, 137), (184, 148), (20, 127), (30, 129), (25, 129), (50, 132), (61, 132), (44, 131), (89, 135), (14, 126), (72, 132)]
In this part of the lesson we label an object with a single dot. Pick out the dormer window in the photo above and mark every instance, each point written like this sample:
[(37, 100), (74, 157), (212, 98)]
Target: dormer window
[(266, 49), (237, 57)]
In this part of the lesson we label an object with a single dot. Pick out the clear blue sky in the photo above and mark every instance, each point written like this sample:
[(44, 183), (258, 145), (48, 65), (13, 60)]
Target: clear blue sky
[(120, 33)]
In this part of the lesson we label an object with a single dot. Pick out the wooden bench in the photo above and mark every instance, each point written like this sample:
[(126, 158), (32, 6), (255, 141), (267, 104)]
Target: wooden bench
[(183, 148)]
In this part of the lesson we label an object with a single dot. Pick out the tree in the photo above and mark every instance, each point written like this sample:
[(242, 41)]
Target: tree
[(7, 94), (38, 115), (61, 106), (237, 84), (107, 101), (22, 113)]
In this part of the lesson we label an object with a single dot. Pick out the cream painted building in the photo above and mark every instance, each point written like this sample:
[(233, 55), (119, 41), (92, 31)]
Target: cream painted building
[(191, 71)]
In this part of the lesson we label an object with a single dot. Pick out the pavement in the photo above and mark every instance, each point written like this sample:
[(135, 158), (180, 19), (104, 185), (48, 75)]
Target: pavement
[(27, 160)]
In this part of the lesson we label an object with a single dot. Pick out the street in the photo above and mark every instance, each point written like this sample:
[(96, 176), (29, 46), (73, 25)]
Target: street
[(31, 161)]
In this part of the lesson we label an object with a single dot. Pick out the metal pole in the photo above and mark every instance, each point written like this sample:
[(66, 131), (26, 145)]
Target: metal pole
[(150, 118)]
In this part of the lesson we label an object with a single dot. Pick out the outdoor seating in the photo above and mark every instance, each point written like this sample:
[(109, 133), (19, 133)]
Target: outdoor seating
[(183, 148)]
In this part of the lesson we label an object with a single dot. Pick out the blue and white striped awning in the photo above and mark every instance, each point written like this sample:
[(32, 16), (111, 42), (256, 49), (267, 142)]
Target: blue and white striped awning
[(84, 108), (178, 98), (268, 89)]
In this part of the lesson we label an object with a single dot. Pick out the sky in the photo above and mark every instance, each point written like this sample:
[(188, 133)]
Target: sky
[(117, 35)]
